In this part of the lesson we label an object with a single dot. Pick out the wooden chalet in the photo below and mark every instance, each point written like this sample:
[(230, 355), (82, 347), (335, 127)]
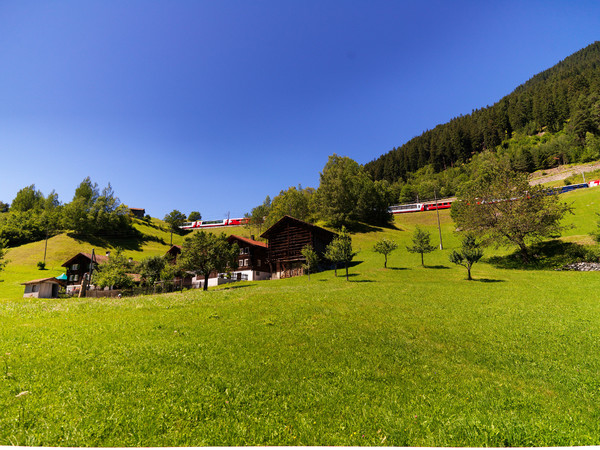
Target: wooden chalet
[(253, 259), (79, 265), (287, 238), (137, 212)]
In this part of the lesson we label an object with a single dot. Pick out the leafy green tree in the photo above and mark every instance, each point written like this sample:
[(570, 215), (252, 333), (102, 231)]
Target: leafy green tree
[(312, 259), (421, 243), (499, 206), (113, 273), (4, 207), (95, 212), (470, 253), (340, 249), (170, 272), (385, 246), (194, 216), (203, 253), (175, 219), (295, 202), (28, 199), (333, 255), (258, 215), (596, 233), (346, 194), (2, 255), (151, 269), (591, 150)]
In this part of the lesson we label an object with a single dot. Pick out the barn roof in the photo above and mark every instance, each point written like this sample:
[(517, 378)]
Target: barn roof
[(247, 241), (53, 280), (99, 258), (289, 219)]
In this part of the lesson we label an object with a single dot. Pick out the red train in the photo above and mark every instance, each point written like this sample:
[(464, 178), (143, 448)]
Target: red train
[(418, 207), (214, 223)]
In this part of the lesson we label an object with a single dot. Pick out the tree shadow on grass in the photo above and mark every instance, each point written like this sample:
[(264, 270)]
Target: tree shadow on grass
[(398, 268), (439, 266), (546, 255), (236, 287), (488, 280), (367, 228), (133, 242), (363, 228), (350, 264)]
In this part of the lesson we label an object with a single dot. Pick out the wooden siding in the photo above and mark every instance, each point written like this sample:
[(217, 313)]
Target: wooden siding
[(287, 238), (288, 242)]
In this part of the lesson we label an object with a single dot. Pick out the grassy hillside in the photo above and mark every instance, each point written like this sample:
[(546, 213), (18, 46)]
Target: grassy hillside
[(23, 260), (403, 356)]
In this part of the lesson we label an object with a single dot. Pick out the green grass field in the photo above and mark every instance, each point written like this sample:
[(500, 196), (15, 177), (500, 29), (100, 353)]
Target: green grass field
[(403, 356)]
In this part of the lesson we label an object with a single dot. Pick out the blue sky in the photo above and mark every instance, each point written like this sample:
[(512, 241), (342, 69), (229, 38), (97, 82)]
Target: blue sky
[(213, 105)]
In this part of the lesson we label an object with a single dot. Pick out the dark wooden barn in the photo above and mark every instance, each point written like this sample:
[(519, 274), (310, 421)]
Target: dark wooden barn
[(287, 238)]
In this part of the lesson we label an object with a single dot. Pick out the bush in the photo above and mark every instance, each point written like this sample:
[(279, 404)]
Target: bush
[(41, 265)]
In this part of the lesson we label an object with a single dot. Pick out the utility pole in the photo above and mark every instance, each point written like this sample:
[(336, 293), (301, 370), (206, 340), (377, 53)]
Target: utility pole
[(46, 244), (438, 219)]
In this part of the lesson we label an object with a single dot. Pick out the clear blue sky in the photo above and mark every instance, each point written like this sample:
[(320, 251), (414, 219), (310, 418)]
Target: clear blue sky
[(212, 105)]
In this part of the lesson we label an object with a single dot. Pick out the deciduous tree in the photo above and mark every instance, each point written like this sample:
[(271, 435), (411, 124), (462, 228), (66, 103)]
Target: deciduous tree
[(194, 216), (151, 269), (175, 219), (346, 194), (2, 255), (295, 202), (312, 259), (203, 253), (340, 249), (385, 246), (27, 199), (113, 273), (470, 253), (421, 243), (499, 206)]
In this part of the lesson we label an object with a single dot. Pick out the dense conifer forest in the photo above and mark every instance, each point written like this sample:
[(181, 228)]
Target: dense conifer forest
[(563, 101)]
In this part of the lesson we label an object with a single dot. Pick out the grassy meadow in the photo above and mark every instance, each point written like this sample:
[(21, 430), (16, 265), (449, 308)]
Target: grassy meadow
[(407, 355)]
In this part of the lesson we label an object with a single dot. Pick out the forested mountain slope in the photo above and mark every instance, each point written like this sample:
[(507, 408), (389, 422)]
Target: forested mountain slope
[(565, 98)]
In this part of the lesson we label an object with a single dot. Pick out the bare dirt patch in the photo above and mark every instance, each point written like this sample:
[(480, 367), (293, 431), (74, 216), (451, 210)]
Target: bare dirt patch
[(561, 172)]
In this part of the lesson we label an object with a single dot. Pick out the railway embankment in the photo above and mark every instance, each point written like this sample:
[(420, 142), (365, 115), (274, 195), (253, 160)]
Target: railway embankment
[(561, 173)]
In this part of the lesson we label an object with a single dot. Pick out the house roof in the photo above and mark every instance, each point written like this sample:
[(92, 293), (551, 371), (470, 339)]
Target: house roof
[(302, 223), (247, 241), (44, 280), (136, 277), (174, 250), (99, 258)]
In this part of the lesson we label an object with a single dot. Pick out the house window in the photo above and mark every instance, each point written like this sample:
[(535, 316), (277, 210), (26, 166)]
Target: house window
[(245, 263), (258, 263), (35, 288), (75, 277), (75, 267)]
